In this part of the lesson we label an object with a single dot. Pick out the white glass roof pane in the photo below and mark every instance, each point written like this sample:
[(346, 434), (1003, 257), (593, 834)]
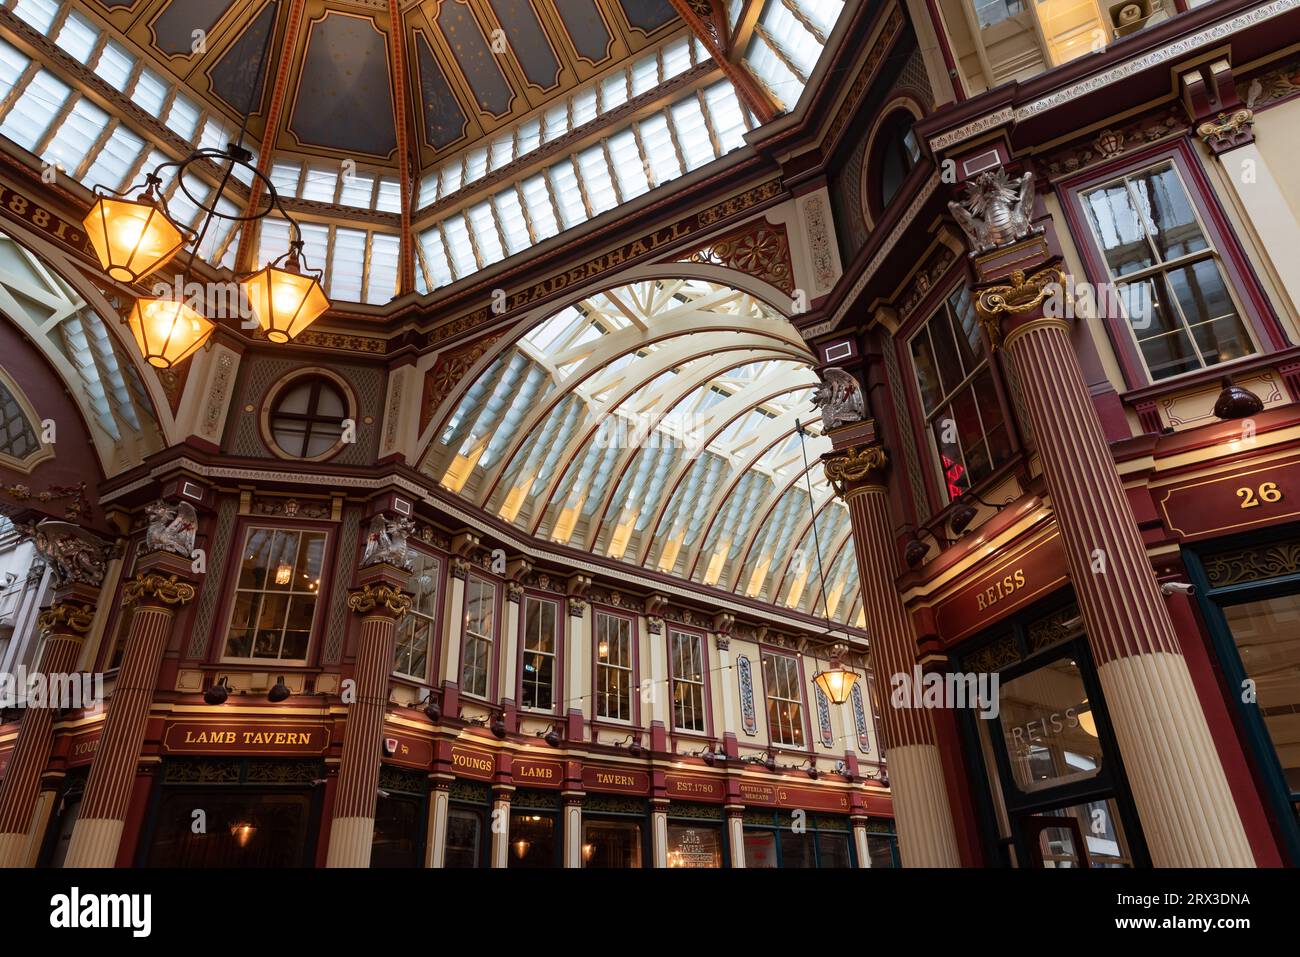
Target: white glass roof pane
[(692, 133), (218, 229), (385, 254), (555, 122), (540, 210), (389, 199), (242, 173), (114, 65), (435, 257), (584, 106), (476, 164), (284, 177), (34, 109), (564, 186), (77, 134), (315, 249), (511, 215), (77, 37), (428, 189), (39, 14), (216, 135), (346, 265), (613, 91), (181, 206), (453, 174), (274, 241), (458, 244), (358, 187), (501, 150), (659, 149), (645, 74), (183, 117), (626, 158), (795, 39), (150, 92), (677, 57), (319, 184), (12, 64), (784, 84), (485, 233), (724, 112), (529, 135), (115, 160), (595, 174), (822, 13)]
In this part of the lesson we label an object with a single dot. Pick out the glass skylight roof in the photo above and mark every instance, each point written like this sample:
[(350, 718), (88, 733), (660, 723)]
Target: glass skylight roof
[(657, 423)]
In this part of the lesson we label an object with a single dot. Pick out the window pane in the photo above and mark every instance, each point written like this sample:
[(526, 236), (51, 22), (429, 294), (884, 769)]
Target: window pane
[(1048, 728), (464, 838), (1154, 319), (1118, 229), (694, 845), (611, 843), (1207, 307), (1168, 213)]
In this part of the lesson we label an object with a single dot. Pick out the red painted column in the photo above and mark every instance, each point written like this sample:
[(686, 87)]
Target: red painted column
[(64, 626), (157, 593), (381, 603), (1179, 787), (926, 837)]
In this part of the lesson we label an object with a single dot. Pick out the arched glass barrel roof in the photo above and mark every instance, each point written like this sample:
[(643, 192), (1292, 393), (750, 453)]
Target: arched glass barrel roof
[(656, 423)]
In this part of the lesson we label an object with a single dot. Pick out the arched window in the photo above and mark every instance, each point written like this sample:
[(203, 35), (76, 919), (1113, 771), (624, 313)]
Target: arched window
[(306, 417), (894, 156)]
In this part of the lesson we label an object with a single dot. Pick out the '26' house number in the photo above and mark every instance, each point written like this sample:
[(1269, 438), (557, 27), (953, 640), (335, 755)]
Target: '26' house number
[(1266, 494)]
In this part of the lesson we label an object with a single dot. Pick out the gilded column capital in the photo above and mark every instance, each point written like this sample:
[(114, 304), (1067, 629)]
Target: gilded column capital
[(1025, 294), (67, 618), (853, 466), (155, 587), (380, 597)]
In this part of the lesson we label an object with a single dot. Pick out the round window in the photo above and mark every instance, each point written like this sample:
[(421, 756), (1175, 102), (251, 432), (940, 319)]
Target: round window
[(307, 416)]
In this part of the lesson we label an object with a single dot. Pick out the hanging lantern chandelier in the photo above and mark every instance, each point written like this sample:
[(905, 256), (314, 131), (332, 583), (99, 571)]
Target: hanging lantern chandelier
[(135, 238)]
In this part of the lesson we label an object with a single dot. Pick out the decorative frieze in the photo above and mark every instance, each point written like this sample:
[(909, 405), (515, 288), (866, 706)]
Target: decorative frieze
[(66, 618), (379, 596), (155, 587)]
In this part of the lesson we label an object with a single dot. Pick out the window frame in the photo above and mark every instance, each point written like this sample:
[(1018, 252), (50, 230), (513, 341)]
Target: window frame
[(276, 393), (706, 708), (873, 196), (557, 656), (923, 314), (634, 697), (806, 745), (1240, 279), (220, 638), (494, 641), (434, 654)]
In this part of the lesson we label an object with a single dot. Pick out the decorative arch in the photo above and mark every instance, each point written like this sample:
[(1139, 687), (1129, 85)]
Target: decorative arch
[(630, 421), (872, 208), (22, 446), (48, 299)]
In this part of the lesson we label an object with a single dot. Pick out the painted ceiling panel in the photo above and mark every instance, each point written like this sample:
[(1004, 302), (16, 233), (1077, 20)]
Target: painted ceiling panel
[(528, 41), (444, 120), (239, 76), (648, 15), (344, 99), (586, 27), (174, 27), (476, 61)]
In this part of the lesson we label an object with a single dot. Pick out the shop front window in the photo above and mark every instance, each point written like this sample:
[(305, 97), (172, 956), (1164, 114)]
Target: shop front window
[(399, 826), (694, 845), (882, 849), (276, 595), (245, 828), (466, 845), (534, 840), (823, 843), (611, 843), (1049, 731)]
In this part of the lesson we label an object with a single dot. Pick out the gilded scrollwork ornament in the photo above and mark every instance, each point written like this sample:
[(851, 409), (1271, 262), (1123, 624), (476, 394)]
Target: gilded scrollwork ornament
[(66, 618), (157, 587), (853, 465), (379, 596), (1024, 294)]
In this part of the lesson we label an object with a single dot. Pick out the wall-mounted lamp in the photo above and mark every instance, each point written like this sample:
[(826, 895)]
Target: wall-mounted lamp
[(1234, 402), (279, 691), (550, 736), (842, 769), (431, 709), (916, 550), (633, 745), (218, 693), (498, 725), (765, 759)]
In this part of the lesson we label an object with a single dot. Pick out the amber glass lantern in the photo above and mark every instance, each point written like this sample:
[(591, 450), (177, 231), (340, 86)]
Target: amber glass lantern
[(132, 237), (167, 331), (284, 298), (836, 682)]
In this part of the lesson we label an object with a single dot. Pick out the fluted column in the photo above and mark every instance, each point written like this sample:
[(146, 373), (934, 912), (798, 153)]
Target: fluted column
[(659, 832), (573, 830), (860, 844), (1187, 811), (157, 592), (64, 626), (381, 603), (500, 826), (926, 837), (736, 834), (435, 854)]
